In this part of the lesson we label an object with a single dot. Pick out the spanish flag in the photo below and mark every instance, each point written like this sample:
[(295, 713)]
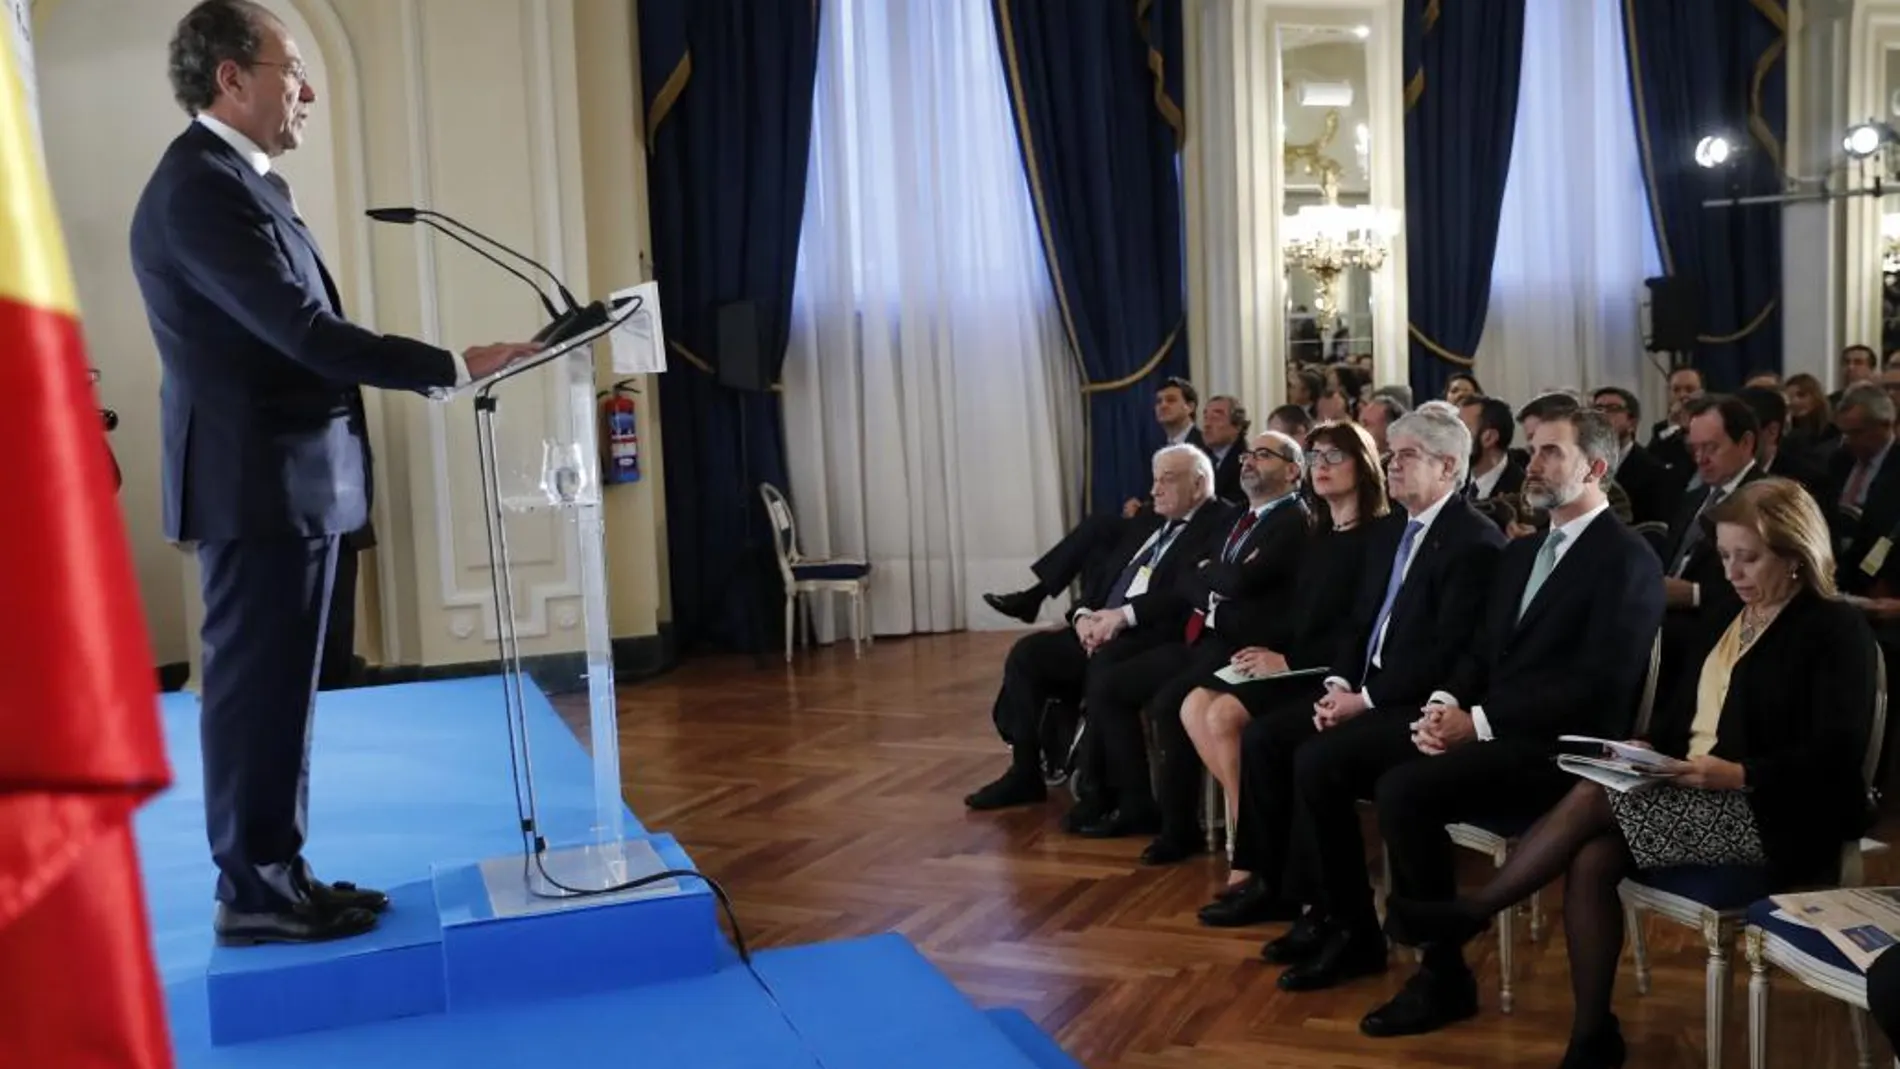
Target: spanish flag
[(80, 746)]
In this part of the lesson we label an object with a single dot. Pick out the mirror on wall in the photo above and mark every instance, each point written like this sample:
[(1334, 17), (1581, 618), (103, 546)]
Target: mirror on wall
[(1332, 239)]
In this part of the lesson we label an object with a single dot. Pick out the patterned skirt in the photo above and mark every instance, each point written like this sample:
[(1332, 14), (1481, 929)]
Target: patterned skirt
[(1667, 825)]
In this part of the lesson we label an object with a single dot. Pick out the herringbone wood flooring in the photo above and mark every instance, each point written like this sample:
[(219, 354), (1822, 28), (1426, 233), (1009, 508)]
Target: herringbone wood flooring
[(826, 797)]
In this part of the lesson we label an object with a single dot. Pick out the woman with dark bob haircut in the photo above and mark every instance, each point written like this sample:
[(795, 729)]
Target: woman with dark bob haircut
[(1345, 479)]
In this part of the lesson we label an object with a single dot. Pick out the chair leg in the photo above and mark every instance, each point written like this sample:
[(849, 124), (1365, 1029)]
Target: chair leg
[(857, 621), (1863, 1047), (791, 608), (1757, 1013), (1210, 811), (1507, 950), (1537, 915), (1639, 947), (1715, 1009)]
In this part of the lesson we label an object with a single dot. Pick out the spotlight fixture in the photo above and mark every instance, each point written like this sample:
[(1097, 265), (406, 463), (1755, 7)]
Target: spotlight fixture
[(1865, 139), (1714, 151), (1362, 32)]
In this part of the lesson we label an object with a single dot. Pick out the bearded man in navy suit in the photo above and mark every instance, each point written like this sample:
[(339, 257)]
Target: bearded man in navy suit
[(266, 463)]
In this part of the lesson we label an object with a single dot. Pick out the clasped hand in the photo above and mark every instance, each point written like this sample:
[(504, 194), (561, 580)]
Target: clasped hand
[(1095, 629), (1441, 728), (1337, 707)]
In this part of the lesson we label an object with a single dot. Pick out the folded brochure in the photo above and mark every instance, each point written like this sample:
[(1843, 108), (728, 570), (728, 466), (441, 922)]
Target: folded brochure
[(1234, 675)]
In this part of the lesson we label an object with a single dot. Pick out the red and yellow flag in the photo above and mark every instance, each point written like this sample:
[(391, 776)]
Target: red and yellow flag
[(80, 746)]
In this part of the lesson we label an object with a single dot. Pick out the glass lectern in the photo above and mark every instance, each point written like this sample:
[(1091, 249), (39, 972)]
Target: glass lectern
[(537, 443)]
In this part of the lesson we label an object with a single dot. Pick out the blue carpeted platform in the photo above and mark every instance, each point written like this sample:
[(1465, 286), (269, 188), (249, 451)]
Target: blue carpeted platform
[(411, 785)]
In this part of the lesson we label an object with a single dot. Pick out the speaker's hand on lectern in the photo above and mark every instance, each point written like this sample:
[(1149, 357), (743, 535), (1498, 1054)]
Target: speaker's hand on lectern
[(485, 360)]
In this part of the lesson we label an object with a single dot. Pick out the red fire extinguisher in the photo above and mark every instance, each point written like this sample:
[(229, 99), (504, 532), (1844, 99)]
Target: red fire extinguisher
[(620, 435)]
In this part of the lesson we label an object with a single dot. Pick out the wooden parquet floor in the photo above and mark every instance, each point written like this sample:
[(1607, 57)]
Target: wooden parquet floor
[(827, 798)]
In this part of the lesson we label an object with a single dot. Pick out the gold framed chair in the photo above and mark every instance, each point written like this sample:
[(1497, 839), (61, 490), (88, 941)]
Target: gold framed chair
[(809, 576)]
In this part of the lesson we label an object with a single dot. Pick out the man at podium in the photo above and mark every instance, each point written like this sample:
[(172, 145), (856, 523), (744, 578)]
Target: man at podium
[(266, 465)]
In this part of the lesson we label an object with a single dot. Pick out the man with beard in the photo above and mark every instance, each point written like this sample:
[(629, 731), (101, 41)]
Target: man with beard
[(1563, 648)]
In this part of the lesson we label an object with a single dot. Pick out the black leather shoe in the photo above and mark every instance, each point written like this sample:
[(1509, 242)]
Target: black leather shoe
[(1082, 814), (1603, 1050), (345, 895), (1014, 788), (1166, 851), (1024, 605), (1299, 944), (1255, 903), (1118, 823), (1346, 955), (305, 922), (1426, 1003)]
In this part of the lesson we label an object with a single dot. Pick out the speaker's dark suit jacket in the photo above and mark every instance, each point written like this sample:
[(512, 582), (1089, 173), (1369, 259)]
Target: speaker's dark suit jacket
[(266, 466), (262, 422), (1437, 609), (1576, 661), (1796, 718)]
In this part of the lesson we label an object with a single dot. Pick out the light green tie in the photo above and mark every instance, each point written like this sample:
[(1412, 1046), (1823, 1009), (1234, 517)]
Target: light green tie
[(1540, 571)]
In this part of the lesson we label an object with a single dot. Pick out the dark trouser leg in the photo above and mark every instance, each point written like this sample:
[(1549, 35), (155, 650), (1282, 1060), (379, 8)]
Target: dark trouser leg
[(1041, 665), (339, 633), (1883, 996), (1118, 687), (1330, 774), (1080, 553), (265, 604), (1178, 788), (1267, 748), (1475, 781)]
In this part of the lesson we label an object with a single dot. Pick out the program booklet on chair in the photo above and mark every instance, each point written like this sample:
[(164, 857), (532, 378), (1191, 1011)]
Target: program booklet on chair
[(1862, 922)]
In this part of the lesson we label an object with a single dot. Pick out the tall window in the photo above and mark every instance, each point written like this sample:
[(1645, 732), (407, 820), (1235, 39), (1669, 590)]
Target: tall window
[(928, 388)]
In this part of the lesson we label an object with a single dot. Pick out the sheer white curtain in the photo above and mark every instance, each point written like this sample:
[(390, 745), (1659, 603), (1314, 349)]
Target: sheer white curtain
[(1574, 241), (928, 387)]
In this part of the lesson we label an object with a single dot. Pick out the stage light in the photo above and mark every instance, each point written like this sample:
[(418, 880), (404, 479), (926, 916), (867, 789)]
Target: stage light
[(1362, 32), (1865, 139), (1713, 151)]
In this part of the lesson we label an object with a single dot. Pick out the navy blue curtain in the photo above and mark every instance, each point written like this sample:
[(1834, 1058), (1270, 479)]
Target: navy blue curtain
[(1096, 89), (1701, 67), (728, 87), (1462, 62)]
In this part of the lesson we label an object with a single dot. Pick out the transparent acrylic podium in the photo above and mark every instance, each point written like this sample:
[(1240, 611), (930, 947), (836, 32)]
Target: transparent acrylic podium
[(536, 434)]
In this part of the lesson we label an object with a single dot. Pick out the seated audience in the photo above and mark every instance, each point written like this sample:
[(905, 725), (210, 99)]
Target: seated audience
[(1085, 552), (1666, 439), (1721, 436), (1553, 406), (1810, 418), (1863, 479), (1494, 470), (1771, 453), (1652, 487), (1303, 387), (1240, 597), (1769, 379), (1461, 385), (1290, 420), (1229, 720), (1767, 741), (1858, 364), (1224, 425), (1418, 606), (1377, 414), (1562, 647), (1139, 606)]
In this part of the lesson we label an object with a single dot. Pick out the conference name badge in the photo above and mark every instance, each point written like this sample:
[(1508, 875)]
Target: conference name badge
[(1140, 584), (1877, 556)]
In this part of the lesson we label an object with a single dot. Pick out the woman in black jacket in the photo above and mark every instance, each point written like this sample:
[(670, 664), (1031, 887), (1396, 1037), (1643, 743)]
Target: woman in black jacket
[(1767, 741)]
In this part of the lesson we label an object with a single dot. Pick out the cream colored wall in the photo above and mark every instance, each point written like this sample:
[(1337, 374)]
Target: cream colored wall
[(516, 115)]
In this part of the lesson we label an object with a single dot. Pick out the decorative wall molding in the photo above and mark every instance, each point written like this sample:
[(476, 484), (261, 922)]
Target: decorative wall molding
[(547, 246)]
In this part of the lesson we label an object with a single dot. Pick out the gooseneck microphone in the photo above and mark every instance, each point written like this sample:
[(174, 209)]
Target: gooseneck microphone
[(411, 216)]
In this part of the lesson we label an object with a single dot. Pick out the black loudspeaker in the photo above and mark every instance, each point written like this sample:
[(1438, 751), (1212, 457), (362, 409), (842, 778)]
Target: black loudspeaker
[(741, 351), (1674, 317)]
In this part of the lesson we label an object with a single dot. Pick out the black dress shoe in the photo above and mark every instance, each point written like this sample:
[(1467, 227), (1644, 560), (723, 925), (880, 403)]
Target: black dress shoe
[(1118, 823), (1014, 788), (1024, 605), (1166, 851), (1082, 814), (345, 895), (1299, 944), (1426, 1003), (305, 922), (1603, 1049), (1256, 903), (1346, 955)]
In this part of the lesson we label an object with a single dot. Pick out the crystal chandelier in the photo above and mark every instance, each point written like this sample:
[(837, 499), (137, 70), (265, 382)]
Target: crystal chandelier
[(1326, 240)]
